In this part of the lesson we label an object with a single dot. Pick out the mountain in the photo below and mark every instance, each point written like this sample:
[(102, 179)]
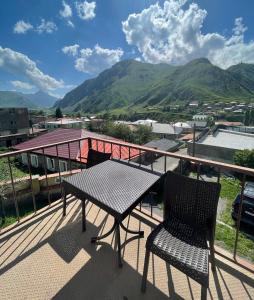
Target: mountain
[(132, 83), (199, 80), (14, 99), (42, 99), (116, 87), (39, 99)]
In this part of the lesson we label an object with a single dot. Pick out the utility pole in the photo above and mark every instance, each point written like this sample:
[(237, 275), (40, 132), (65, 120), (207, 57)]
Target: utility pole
[(194, 139)]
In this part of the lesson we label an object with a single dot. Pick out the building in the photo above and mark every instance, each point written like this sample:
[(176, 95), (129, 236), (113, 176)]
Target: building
[(64, 123), (200, 117), (163, 130), (70, 156), (14, 121), (199, 124), (222, 145), (144, 122), (184, 126)]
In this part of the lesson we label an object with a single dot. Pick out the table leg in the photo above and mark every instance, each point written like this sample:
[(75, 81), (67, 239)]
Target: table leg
[(83, 215), (97, 238), (64, 203), (140, 233), (118, 240)]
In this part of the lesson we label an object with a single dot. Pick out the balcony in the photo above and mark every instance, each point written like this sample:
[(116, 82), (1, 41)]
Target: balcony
[(45, 255)]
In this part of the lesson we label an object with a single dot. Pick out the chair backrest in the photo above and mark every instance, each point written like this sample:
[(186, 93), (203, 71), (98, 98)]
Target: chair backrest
[(95, 157), (192, 201)]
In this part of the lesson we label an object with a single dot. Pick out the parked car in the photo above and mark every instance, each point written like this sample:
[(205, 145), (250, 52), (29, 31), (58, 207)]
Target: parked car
[(248, 205)]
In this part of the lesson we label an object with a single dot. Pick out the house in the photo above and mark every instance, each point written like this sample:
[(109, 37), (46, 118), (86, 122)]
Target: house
[(200, 117), (63, 123), (164, 130), (14, 121), (194, 104), (144, 122), (222, 145), (199, 124), (184, 126), (66, 157)]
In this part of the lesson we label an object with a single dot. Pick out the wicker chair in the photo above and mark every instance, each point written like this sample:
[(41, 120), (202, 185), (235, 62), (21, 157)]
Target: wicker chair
[(189, 220), (95, 157)]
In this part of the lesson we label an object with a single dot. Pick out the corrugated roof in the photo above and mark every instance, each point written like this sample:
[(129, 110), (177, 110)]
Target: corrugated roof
[(162, 144), (164, 128), (229, 139), (62, 135), (55, 136)]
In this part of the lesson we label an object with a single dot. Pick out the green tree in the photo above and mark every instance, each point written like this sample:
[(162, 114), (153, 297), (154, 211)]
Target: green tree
[(244, 158), (247, 118), (143, 134), (58, 113)]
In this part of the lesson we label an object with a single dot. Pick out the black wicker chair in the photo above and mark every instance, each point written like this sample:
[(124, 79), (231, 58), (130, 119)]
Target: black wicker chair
[(95, 157), (189, 220)]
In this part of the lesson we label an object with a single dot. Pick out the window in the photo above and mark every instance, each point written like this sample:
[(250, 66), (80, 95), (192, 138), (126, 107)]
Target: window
[(34, 160), (63, 166), (24, 158), (50, 164)]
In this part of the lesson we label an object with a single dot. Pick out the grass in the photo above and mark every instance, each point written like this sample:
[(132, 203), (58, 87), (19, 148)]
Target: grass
[(225, 235)]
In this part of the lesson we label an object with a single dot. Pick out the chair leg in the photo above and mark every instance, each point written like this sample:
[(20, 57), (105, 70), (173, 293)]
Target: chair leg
[(145, 271), (203, 292), (212, 258)]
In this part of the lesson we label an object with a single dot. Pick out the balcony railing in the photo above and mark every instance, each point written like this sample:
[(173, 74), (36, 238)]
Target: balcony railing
[(75, 165)]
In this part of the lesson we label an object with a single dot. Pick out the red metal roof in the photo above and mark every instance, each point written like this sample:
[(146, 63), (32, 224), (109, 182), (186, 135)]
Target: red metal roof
[(55, 136), (61, 135)]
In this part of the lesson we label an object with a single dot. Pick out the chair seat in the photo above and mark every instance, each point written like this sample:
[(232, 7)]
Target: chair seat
[(182, 246)]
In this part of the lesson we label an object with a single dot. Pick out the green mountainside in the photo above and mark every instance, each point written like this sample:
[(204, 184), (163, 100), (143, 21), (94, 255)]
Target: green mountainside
[(131, 83), (42, 99), (14, 99), (39, 99)]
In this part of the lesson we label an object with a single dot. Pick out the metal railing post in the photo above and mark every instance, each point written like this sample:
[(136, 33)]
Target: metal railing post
[(69, 156), (13, 190), (46, 175), (31, 180), (239, 214)]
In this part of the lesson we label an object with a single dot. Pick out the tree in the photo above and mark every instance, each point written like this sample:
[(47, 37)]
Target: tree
[(143, 134), (244, 158), (58, 113), (247, 118)]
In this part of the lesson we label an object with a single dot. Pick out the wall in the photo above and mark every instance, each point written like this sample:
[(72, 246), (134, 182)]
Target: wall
[(39, 186), (14, 120), (212, 152)]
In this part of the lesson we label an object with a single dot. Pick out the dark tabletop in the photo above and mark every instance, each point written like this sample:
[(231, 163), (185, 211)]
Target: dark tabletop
[(115, 186)]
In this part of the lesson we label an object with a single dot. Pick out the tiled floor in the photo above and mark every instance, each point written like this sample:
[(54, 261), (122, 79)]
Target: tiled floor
[(49, 257)]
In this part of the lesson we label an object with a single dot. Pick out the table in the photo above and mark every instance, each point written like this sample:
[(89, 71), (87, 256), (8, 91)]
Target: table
[(114, 186)]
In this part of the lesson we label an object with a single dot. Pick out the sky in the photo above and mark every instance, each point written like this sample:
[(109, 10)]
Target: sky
[(56, 45)]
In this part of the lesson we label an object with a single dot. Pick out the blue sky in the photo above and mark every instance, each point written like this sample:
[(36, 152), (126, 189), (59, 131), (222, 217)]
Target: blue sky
[(56, 45)]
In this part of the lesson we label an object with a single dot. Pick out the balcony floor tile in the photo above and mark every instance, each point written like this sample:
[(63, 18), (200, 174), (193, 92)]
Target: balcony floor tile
[(48, 257)]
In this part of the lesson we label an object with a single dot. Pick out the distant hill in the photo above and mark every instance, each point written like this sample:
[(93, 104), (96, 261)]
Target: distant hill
[(42, 99), (37, 100), (131, 83), (14, 99)]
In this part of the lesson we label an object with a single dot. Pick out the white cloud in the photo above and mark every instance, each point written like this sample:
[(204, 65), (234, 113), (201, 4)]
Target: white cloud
[(95, 60), (21, 65), (46, 26), (86, 10), (22, 27), (172, 33), (66, 12), (70, 23), (71, 50), (22, 85)]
